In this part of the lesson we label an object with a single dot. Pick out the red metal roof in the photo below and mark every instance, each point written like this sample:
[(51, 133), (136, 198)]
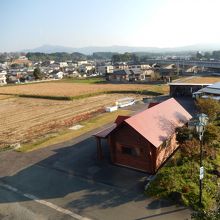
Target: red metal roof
[(152, 104), (120, 119), (104, 133), (158, 123)]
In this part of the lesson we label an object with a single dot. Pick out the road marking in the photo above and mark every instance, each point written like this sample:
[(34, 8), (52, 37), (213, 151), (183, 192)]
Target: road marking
[(43, 202)]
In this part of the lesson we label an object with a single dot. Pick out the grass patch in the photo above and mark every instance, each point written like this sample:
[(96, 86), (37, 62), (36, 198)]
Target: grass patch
[(67, 134), (69, 98), (91, 80), (178, 180), (6, 148)]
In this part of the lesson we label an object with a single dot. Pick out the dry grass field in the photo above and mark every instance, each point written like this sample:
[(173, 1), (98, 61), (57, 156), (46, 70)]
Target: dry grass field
[(205, 79), (26, 119), (77, 89)]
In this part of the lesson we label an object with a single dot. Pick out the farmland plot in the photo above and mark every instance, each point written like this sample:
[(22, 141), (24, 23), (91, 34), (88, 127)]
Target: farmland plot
[(77, 89), (25, 119)]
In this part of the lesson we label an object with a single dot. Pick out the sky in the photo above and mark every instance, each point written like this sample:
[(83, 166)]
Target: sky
[(27, 24)]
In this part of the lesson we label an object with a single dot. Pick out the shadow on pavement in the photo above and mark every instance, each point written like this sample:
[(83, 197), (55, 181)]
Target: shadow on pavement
[(75, 169), (162, 214)]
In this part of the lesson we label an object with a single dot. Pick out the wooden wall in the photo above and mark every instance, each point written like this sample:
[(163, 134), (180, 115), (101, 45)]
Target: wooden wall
[(126, 137), (165, 150)]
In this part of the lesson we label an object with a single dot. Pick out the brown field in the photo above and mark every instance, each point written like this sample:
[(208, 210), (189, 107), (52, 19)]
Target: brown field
[(26, 119), (77, 89), (205, 79), (4, 97)]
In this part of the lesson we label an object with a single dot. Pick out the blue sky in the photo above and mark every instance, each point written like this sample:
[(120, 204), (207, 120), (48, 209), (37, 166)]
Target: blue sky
[(78, 23)]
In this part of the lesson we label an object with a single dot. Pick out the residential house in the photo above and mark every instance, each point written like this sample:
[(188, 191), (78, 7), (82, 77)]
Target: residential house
[(131, 75), (86, 68), (82, 62), (120, 76), (121, 66), (72, 73), (168, 71), (57, 74), (105, 69), (22, 61), (55, 66), (63, 64), (210, 91), (3, 74)]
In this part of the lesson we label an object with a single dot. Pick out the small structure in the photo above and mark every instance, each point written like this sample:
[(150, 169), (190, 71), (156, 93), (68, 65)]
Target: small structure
[(145, 140), (58, 74), (211, 91), (125, 102), (111, 108), (185, 89)]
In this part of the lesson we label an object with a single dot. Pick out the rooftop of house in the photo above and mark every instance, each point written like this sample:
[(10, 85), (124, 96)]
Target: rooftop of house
[(122, 72), (159, 122), (214, 86), (155, 124), (211, 89)]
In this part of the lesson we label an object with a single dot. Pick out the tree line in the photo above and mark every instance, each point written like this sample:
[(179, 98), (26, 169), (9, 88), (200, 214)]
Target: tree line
[(208, 55), (55, 56)]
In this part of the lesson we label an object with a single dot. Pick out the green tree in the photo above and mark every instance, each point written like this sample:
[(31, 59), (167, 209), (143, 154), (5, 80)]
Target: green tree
[(199, 55), (182, 134), (213, 214), (216, 54), (15, 65), (209, 106), (37, 73)]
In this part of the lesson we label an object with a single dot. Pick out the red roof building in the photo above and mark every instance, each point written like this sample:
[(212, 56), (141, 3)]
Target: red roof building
[(144, 141), (152, 104)]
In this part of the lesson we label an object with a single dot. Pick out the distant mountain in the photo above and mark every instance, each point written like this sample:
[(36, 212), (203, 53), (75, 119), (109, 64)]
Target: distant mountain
[(123, 49), (51, 49)]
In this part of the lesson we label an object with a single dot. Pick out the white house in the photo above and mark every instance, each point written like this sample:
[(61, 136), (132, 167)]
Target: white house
[(86, 68), (105, 69), (58, 75), (3, 74), (63, 64), (82, 62)]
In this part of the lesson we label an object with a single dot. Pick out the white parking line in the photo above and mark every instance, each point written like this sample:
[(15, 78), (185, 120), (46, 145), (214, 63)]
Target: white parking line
[(43, 202)]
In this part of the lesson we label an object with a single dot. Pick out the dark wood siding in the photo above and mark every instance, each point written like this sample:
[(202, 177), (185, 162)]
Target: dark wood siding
[(165, 151), (129, 148)]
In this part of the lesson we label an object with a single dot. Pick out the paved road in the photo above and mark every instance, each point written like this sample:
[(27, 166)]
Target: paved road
[(65, 181)]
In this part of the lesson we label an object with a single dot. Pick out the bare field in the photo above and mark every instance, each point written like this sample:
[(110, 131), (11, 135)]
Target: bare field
[(2, 97), (77, 89), (25, 119), (205, 79)]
